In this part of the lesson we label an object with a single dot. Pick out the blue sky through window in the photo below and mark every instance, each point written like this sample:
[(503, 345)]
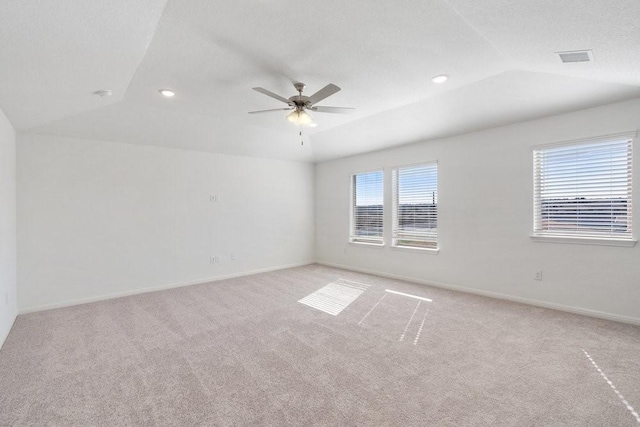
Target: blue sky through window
[(417, 185), (369, 189), (588, 171)]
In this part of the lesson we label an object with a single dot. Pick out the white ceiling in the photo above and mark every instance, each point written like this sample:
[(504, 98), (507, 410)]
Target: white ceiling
[(499, 55)]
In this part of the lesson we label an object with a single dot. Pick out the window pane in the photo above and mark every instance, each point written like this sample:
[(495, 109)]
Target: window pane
[(415, 206), (367, 212), (584, 190)]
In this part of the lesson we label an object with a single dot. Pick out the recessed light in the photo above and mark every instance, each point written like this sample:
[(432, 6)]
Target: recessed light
[(440, 78), (167, 92)]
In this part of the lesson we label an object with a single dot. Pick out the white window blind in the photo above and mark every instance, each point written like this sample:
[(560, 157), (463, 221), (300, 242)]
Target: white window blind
[(415, 206), (583, 189), (366, 207)]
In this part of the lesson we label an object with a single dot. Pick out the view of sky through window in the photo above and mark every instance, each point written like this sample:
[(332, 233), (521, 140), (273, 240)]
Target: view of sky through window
[(369, 195), (369, 189)]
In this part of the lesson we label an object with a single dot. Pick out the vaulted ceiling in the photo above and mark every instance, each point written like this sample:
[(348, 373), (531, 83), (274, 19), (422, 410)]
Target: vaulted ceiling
[(499, 55)]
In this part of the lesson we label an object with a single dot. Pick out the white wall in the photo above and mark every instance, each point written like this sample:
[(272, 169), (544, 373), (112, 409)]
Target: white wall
[(99, 218), (485, 219), (8, 306)]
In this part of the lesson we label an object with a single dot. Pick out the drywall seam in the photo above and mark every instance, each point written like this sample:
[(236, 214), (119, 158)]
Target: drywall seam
[(34, 309), (527, 301)]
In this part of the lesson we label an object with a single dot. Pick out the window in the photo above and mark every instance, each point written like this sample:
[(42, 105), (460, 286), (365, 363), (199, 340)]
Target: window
[(583, 189), (415, 206), (366, 208)]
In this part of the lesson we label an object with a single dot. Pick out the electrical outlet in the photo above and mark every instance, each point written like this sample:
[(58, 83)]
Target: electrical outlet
[(214, 260), (537, 275), (215, 198)]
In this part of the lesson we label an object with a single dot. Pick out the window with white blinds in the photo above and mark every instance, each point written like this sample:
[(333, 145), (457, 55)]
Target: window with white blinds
[(415, 206), (366, 207), (583, 189)]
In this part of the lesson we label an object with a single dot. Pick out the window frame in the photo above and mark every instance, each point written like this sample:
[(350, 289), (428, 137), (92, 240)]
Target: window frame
[(353, 239), (539, 235), (395, 217)]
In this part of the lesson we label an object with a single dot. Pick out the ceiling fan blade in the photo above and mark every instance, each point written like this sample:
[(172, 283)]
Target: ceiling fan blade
[(268, 111), (271, 94), (323, 93), (338, 110)]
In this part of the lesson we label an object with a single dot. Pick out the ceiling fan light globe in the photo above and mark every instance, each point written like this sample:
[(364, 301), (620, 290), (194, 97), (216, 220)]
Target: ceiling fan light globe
[(300, 117), (293, 117), (304, 118)]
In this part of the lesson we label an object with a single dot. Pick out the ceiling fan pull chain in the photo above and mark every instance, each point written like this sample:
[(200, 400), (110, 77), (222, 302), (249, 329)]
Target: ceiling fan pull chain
[(301, 139)]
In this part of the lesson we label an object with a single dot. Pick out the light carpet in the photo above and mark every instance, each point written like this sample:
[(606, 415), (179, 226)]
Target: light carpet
[(245, 351)]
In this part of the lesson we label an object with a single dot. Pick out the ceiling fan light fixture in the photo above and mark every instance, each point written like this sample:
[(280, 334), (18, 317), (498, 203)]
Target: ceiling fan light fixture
[(292, 116), (300, 117), (299, 105)]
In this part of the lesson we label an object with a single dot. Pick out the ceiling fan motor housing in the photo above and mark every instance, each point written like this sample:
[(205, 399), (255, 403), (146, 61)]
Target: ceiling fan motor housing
[(299, 101)]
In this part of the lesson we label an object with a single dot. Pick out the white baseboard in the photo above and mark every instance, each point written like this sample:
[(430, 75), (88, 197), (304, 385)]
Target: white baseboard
[(5, 334), (544, 304), (537, 303), (155, 288)]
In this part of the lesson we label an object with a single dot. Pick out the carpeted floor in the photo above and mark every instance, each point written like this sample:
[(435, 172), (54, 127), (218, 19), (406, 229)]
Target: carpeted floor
[(246, 352)]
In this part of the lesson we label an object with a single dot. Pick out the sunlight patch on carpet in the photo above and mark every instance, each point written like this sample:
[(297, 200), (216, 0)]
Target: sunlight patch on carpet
[(613, 387), (335, 297), (408, 295)]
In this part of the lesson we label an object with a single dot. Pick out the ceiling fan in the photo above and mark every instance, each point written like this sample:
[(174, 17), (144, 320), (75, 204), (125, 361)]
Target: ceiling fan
[(299, 105)]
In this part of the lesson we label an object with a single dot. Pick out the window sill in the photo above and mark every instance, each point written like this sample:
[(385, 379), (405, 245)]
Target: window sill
[(368, 245), (584, 241), (429, 251)]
